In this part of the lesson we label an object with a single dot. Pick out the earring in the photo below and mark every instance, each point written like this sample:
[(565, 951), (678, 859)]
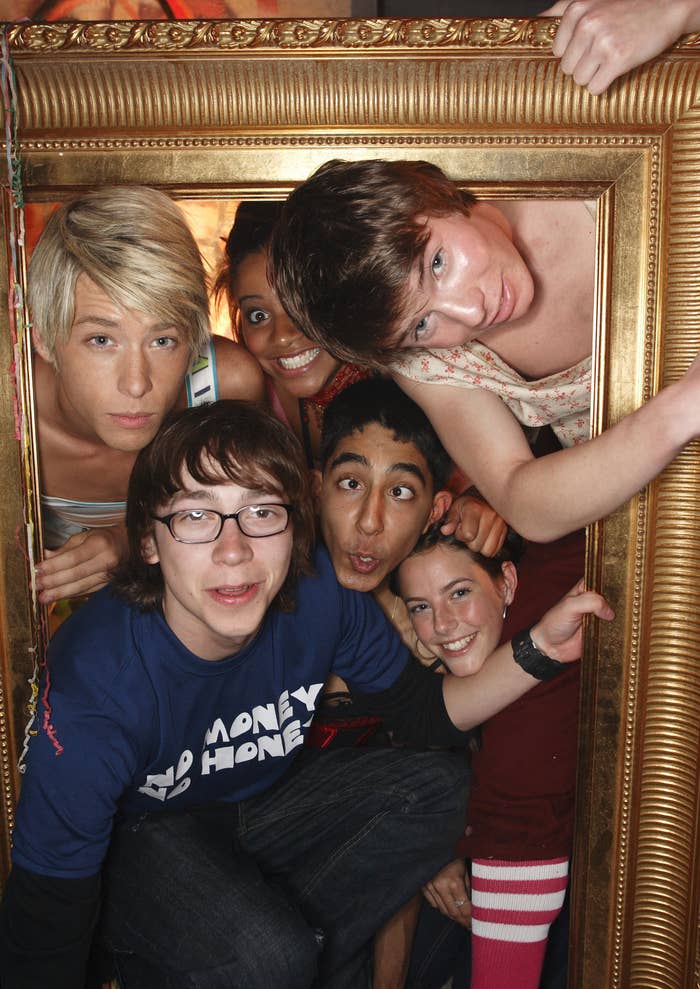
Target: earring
[(422, 651), (505, 611)]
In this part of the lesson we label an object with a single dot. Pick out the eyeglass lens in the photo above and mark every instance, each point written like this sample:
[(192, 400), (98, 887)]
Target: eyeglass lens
[(253, 520)]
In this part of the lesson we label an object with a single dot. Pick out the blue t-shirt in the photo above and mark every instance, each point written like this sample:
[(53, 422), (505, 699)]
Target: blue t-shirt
[(145, 725)]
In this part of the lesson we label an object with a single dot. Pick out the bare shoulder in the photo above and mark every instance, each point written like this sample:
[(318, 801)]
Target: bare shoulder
[(239, 374), (548, 219)]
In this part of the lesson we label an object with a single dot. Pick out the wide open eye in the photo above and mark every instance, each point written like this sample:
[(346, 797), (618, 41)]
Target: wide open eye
[(255, 316), (402, 492), (348, 484)]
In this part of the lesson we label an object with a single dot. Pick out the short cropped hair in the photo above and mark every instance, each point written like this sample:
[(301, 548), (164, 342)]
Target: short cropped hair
[(132, 242), (345, 246), (236, 438), (251, 232), (381, 401)]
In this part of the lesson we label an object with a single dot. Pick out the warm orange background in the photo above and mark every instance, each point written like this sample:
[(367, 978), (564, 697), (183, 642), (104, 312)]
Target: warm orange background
[(209, 220)]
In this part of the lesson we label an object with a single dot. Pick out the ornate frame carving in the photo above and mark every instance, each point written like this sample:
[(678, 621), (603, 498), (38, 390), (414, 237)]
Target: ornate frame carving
[(249, 108)]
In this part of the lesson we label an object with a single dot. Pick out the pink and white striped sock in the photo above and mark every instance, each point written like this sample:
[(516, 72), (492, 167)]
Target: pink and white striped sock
[(513, 907)]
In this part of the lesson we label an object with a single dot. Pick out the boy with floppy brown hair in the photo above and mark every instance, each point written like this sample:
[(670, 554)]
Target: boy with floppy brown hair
[(482, 312)]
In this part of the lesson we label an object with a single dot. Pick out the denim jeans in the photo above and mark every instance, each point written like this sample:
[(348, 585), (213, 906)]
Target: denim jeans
[(287, 888)]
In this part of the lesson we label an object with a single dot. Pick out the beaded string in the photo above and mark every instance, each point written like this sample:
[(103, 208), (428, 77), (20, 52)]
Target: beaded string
[(20, 336), (314, 406)]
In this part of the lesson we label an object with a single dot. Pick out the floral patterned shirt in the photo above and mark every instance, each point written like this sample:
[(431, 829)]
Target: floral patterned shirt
[(561, 400)]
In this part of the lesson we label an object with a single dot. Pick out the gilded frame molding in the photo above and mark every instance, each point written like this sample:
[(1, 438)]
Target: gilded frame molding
[(250, 108)]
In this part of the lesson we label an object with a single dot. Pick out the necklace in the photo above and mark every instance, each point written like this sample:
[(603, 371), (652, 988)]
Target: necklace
[(311, 409)]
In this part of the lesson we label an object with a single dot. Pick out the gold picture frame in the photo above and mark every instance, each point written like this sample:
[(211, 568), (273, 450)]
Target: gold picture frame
[(249, 109)]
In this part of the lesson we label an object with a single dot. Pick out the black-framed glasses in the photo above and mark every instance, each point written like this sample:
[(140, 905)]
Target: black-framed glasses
[(204, 525)]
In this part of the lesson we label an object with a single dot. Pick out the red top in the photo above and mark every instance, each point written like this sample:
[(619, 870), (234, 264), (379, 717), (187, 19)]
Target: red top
[(521, 804)]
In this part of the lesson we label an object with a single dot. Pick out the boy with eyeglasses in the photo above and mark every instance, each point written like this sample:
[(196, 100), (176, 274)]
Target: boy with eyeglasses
[(168, 777)]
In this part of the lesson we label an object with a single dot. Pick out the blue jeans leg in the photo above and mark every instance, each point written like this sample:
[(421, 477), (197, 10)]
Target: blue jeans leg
[(242, 895), (441, 950), (355, 834), (186, 909)]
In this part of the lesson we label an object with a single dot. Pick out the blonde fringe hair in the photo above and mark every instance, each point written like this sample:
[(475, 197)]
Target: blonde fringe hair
[(131, 241)]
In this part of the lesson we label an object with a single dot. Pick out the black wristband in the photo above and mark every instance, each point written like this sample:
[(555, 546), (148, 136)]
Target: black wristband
[(532, 660)]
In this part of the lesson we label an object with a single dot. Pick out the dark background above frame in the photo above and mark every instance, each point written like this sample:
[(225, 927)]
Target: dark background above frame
[(455, 8)]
